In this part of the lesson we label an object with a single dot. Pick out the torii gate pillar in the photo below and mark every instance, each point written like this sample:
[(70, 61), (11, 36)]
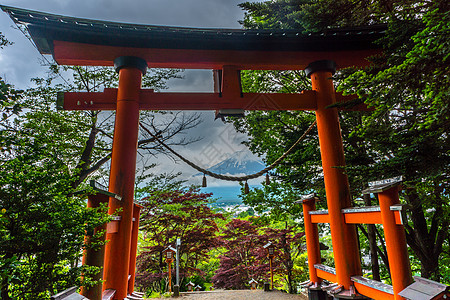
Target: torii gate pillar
[(122, 174), (343, 236)]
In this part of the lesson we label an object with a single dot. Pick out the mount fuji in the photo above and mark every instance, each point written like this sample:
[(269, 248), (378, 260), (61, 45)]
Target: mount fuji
[(239, 163)]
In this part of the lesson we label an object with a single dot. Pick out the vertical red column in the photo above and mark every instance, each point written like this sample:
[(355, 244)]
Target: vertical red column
[(344, 239), (122, 174), (313, 247), (396, 248), (312, 238), (134, 242)]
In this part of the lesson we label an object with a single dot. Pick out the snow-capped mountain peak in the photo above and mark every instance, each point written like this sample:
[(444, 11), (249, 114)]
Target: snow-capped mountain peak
[(240, 162)]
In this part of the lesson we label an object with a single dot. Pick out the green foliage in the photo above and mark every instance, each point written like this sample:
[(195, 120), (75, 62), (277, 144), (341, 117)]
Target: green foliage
[(8, 100), (9, 97), (408, 131), (8, 270), (43, 226), (38, 235), (3, 41), (274, 201), (409, 87), (46, 155), (208, 266), (314, 15), (272, 14)]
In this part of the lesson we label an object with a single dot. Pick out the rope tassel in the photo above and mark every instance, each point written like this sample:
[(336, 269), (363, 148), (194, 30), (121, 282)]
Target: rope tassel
[(204, 181), (246, 189)]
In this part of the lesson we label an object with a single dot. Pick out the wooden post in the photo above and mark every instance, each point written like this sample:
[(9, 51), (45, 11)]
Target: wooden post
[(344, 239), (122, 174), (169, 266), (133, 251), (271, 272), (312, 238), (312, 247), (271, 253), (396, 248)]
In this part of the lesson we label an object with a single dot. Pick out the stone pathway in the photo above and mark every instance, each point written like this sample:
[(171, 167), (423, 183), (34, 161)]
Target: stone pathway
[(241, 295)]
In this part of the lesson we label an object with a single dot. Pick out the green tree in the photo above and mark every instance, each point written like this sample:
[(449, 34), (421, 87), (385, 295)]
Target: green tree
[(409, 88), (42, 223), (46, 155)]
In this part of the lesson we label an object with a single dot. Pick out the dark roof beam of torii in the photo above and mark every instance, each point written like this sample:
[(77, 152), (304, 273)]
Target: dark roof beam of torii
[(75, 41)]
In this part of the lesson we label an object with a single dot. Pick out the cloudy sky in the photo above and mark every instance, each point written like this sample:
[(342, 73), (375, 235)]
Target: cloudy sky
[(22, 58), (21, 61)]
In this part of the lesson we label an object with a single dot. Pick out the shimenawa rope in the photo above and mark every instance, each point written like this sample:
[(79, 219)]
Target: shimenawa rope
[(233, 178)]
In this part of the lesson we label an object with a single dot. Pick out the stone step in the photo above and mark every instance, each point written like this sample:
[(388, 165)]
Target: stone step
[(131, 297)]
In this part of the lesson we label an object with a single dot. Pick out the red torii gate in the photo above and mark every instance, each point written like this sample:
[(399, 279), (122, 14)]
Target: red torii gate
[(132, 48)]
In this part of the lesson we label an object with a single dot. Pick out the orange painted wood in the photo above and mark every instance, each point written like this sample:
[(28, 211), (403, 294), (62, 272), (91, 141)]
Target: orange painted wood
[(312, 240), (134, 246), (112, 227), (121, 180), (372, 293), (343, 236), (396, 248), (325, 275), (149, 100), (373, 217), (71, 53), (398, 218), (231, 78), (271, 271), (320, 219), (365, 218)]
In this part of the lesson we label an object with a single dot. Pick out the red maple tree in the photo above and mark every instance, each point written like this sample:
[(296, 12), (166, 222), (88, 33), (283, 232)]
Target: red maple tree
[(165, 217), (245, 258)]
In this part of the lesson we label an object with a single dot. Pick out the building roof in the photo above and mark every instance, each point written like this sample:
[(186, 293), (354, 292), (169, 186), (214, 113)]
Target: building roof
[(54, 34), (170, 248), (267, 245)]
